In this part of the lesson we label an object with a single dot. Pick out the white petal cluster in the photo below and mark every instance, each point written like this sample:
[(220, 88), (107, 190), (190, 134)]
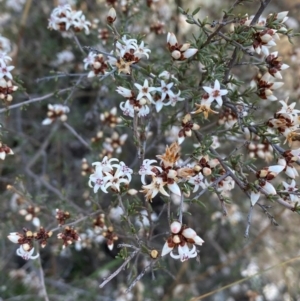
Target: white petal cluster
[(178, 51), (184, 240), (129, 50), (109, 174), (56, 111), (64, 18), (146, 95)]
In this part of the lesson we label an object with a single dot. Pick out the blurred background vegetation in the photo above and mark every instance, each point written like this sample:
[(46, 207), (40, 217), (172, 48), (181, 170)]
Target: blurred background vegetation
[(45, 170)]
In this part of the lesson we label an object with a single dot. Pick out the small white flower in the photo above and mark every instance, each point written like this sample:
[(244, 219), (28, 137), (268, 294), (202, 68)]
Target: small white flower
[(156, 186), (141, 51), (191, 234), (89, 60), (165, 89), (215, 93), (184, 253), (291, 188), (145, 90), (14, 237), (5, 70), (146, 169), (124, 92), (26, 254), (197, 181)]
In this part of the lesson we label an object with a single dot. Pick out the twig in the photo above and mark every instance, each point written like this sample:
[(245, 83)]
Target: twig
[(77, 221), (42, 280), (249, 217), (122, 266), (72, 130), (181, 208), (17, 105), (140, 275), (263, 5)]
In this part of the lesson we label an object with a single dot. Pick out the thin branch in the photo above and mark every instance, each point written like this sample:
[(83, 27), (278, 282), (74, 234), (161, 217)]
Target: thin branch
[(72, 130), (21, 104), (141, 275), (122, 266), (42, 280)]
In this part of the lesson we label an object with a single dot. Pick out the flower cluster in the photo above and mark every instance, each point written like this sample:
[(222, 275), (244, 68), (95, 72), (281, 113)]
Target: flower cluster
[(63, 18), (146, 95), (6, 85), (128, 52), (286, 121), (56, 111), (167, 174), (62, 216), (68, 236), (97, 64), (178, 51), (108, 174), (211, 94), (264, 177), (30, 214), (26, 239), (263, 39), (184, 239), (265, 86), (110, 118), (5, 150)]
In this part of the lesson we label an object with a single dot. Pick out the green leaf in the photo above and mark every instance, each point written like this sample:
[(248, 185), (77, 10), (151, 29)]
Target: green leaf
[(196, 11)]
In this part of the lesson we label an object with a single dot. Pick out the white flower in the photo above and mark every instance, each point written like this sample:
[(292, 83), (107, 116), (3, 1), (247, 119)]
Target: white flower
[(56, 111), (125, 171), (127, 108), (80, 23), (289, 170), (62, 9), (175, 98), (191, 234), (171, 39), (282, 16), (216, 93), (197, 181), (159, 103), (98, 178), (145, 90), (5, 150), (106, 164), (124, 92), (156, 186), (14, 237), (26, 254), (146, 169), (288, 109), (141, 51), (126, 46), (291, 188), (5, 70), (184, 253), (267, 188), (165, 89), (189, 52), (89, 60)]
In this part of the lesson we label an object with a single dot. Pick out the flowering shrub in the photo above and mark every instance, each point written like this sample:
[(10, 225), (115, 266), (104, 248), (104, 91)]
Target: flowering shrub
[(143, 140)]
